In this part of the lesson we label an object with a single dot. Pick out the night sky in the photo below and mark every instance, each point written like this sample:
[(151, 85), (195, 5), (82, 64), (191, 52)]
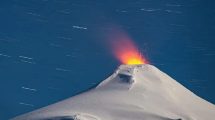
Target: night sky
[(51, 50)]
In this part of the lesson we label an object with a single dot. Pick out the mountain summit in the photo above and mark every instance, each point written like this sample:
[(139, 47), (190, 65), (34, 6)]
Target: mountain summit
[(132, 92)]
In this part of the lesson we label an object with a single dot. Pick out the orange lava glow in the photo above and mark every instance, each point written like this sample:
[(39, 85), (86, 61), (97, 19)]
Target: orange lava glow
[(131, 58), (126, 52), (122, 46)]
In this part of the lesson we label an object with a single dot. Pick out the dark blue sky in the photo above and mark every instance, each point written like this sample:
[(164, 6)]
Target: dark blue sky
[(51, 50)]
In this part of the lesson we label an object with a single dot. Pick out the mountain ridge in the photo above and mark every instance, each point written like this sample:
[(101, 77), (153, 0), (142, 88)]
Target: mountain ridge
[(132, 92)]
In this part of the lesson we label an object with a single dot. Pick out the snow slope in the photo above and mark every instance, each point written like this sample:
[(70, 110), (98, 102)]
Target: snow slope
[(133, 92)]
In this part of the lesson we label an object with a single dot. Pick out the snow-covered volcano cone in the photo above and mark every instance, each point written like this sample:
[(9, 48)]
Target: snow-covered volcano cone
[(133, 92)]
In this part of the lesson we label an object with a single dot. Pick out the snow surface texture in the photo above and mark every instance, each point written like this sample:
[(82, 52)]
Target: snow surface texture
[(133, 92)]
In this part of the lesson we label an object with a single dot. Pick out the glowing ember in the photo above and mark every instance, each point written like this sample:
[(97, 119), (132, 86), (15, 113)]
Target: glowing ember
[(122, 46), (127, 52), (131, 58)]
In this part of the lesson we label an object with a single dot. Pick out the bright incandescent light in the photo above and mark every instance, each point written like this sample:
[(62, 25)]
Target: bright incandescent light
[(122, 46), (127, 53), (125, 50)]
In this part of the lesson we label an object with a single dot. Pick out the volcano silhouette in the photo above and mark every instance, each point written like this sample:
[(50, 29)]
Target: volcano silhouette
[(132, 92)]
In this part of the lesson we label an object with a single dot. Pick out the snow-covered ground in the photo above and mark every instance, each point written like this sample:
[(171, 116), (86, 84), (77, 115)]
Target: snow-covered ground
[(133, 92)]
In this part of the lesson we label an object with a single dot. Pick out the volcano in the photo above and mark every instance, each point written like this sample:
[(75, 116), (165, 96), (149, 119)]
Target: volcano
[(132, 92)]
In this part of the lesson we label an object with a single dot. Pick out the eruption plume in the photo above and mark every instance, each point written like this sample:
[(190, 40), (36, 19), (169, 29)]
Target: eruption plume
[(124, 49)]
